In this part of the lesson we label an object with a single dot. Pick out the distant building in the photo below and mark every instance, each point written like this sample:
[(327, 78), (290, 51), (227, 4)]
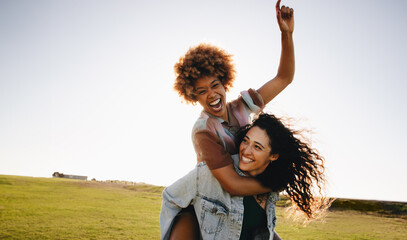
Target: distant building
[(61, 175)]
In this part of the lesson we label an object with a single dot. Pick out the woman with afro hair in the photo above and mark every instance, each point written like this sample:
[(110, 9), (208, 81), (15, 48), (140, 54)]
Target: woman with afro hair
[(204, 75)]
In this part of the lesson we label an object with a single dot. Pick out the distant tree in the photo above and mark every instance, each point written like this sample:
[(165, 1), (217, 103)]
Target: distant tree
[(57, 174)]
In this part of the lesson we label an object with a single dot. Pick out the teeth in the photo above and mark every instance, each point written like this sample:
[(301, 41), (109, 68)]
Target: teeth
[(214, 102), (246, 160)]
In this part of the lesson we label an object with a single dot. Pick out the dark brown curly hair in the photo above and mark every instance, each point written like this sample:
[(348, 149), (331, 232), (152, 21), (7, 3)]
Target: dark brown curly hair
[(298, 171), (200, 61)]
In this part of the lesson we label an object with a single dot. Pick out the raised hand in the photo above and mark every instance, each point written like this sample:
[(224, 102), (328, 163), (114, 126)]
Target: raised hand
[(285, 18)]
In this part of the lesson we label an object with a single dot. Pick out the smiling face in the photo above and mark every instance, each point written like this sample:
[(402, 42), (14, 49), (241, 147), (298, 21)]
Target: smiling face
[(255, 152), (211, 94)]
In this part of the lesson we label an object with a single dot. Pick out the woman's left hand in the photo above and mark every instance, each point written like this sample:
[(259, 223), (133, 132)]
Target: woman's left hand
[(285, 18)]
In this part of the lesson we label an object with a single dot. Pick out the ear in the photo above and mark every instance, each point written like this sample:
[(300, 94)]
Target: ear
[(274, 157)]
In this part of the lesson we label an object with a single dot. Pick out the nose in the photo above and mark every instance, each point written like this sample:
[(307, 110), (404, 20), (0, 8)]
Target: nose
[(246, 150), (211, 93)]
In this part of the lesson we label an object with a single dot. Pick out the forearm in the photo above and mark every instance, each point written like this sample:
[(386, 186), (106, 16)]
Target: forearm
[(246, 186), (286, 68), (237, 185), (285, 72)]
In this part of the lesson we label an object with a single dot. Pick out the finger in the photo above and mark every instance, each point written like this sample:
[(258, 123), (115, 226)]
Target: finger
[(291, 12), (284, 13), (278, 5), (278, 12)]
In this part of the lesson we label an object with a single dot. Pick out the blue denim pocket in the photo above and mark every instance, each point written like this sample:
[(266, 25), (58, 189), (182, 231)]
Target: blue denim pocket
[(213, 216)]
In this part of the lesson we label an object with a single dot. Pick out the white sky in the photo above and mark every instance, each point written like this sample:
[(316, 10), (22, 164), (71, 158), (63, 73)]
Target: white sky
[(86, 86)]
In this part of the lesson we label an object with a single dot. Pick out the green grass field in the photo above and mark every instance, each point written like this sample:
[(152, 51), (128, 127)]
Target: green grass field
[(52, 208)]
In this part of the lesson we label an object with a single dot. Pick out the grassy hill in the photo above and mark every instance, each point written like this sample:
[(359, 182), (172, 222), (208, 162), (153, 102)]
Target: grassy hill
[(380, 208), (51, 208), (371, 207)]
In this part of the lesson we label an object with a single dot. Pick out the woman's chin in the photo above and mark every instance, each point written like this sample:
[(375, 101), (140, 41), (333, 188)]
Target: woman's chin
[(244, 168)]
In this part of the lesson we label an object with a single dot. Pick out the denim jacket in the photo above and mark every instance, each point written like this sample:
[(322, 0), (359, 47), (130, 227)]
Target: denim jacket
[(220, 215)]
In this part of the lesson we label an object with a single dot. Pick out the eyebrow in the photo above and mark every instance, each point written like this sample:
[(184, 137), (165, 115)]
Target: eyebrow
[(255, 142), (209, 84)]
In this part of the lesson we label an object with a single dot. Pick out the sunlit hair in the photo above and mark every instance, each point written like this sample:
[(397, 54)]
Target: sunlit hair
[(298, 171), (203, 60)]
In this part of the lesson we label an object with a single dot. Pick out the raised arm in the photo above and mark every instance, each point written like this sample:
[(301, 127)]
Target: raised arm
[(286, 69)]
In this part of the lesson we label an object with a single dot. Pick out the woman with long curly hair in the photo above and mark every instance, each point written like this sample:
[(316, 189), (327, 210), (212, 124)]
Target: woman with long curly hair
[(204, 75), (296, 168), (268, 151)]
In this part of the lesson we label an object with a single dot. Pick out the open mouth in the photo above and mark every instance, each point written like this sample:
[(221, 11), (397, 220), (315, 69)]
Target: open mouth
[(246, 160), (216, 105)]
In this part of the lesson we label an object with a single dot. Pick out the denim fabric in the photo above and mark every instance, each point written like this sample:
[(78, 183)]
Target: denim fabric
[(220, 216)]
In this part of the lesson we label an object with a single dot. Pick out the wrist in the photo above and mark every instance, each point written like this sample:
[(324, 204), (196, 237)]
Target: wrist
[(286, 34)]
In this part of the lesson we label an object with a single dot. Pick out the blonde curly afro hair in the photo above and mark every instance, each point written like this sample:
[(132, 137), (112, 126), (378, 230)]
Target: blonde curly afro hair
[(200, 61)]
